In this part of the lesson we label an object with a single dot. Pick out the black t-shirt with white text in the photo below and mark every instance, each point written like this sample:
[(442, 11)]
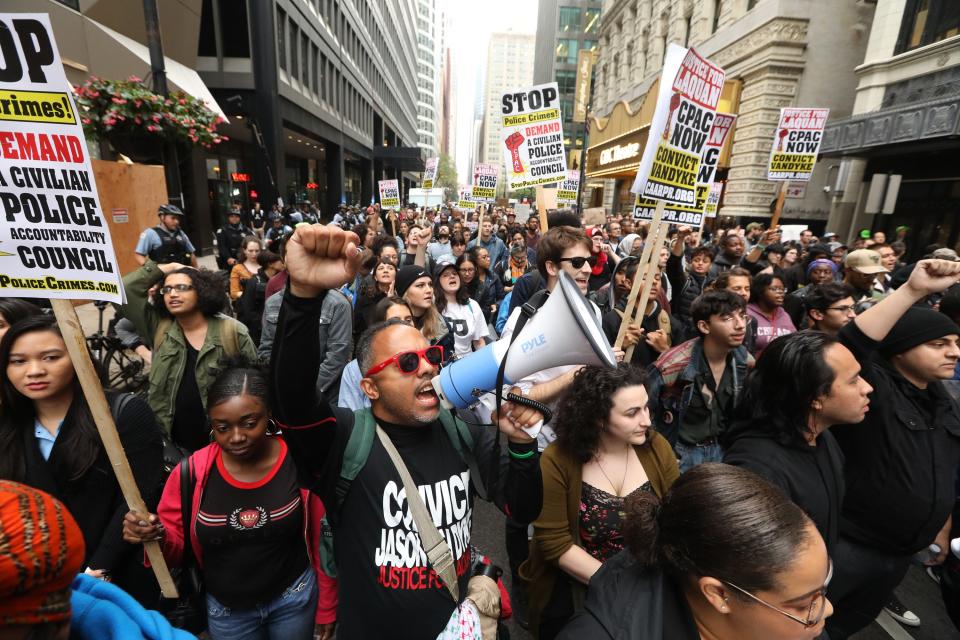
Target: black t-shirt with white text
[(378, 550)]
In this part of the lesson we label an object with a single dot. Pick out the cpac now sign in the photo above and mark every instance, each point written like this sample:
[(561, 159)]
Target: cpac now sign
[(619, 152)]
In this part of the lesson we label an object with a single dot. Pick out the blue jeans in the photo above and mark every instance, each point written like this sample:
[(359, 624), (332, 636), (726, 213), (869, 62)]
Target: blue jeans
[(692, 456), (289, 616)]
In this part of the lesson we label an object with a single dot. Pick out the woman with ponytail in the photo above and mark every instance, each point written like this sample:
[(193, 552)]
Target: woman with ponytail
[(724, 555)]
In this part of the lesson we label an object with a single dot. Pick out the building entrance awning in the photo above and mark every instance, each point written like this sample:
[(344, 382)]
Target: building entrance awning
[(117, 57)]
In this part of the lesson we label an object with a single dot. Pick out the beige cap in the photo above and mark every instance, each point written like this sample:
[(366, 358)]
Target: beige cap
[(864, 261)]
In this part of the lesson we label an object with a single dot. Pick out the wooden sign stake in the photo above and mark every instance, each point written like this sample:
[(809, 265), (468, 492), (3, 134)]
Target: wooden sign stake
[(641, 267), (653, 268), (781, 194), (76, 343)]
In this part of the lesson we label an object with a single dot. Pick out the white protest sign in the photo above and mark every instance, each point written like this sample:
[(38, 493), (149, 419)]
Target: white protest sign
[(533, 135), (389, 194), (693, 215), (567, 193), (796, 143), (484, 187), (430, 173), (791, 232), (523, 212), (690, 87), (466, 203), (713, 200), (54, 238)]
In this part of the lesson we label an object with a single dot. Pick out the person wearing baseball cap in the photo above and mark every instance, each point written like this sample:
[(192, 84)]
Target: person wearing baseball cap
[(860, 271), (901, 459)]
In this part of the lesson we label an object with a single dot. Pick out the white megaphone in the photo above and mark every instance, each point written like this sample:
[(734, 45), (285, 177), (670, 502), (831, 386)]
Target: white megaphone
[(563, 331)]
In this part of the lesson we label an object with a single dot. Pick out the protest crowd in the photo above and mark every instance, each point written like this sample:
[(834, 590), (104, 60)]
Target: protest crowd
[(782, 444)]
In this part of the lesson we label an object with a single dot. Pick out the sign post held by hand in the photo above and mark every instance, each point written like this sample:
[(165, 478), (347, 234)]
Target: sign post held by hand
[(76, 342), (79, 239), (645, 259), (652, 271)]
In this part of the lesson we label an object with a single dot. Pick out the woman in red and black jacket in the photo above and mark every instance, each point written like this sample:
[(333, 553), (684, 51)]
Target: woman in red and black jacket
[(254, 529)]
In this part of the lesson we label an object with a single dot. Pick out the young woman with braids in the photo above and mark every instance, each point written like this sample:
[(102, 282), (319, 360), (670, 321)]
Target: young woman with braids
[(723, 555), (605, 451), (254, 530)]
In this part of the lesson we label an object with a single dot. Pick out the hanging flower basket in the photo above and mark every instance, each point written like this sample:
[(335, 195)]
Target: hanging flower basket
[(127, 110)]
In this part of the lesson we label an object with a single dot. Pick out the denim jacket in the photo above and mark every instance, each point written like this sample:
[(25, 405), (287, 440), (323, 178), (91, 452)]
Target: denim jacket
[(671, 383)]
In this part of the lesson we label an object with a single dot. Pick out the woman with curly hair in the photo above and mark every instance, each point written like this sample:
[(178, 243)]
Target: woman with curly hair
[(605, 452), (190, 340)]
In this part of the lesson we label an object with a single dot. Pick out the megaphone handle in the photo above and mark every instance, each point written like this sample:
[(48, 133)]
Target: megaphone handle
[(543, 409)]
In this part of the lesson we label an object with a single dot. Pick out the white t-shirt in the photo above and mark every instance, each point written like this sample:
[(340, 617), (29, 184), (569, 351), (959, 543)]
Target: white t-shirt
[(467, 323)]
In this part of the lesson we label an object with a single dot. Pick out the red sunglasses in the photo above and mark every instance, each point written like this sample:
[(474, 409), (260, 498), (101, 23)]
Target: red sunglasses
[(409, 361)]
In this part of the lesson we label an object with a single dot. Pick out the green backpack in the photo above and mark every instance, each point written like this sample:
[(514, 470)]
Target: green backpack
[(355, 458)]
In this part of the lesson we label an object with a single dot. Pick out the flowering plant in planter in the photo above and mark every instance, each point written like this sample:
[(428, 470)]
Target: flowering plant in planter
[(116, 109)]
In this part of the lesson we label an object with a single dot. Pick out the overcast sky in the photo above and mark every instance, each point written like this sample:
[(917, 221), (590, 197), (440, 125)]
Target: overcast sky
[(471, 26)]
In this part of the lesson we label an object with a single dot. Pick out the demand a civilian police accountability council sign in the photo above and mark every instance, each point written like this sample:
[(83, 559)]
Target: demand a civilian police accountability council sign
[(54, 239), (533, 136), (690, 87)]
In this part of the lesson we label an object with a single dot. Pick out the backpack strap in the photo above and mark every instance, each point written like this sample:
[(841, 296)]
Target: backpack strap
[(118, 403), (355, 454)]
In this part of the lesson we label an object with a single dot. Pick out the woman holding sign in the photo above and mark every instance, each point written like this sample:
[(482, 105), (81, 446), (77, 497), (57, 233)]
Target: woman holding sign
[(190, 340), (49, 441)]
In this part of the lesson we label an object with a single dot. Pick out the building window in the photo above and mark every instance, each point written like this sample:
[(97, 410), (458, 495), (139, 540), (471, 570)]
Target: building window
[(928, 21), (569, 19), (591, 22), (305, 60), (234, 30), (282, 37), (566, 51), (589, 45), (716, 16), (294, 49), (566, 81), (207, 45)]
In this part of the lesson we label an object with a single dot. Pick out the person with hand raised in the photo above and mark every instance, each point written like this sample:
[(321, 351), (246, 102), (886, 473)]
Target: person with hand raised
[(384, 574)]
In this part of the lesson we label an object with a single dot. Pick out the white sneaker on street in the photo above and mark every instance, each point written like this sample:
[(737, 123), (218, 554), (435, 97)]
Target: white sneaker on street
[(900, 613)]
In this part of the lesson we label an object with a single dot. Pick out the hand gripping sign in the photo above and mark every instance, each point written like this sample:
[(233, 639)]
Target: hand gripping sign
[(533, 136), (54, 242), (690, 88)]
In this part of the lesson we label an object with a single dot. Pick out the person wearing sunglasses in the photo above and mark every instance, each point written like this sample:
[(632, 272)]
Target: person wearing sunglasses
[(190, 341), (829, 307), (766, 307), (387, 587), (723, 555)]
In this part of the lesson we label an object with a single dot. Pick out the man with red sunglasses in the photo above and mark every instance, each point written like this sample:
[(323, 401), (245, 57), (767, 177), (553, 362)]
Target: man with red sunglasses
[(387, 587)]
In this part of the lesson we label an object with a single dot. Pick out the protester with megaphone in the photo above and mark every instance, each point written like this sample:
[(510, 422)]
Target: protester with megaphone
[(385, 578)]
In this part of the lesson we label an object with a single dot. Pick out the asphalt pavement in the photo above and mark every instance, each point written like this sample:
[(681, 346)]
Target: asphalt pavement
[(918, 592)]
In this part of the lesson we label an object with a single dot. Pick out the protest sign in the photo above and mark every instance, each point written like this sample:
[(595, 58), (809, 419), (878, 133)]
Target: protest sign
[(533, 135), (522, 210), (710, 156), (484, 187), (594, 216), (54, 238), (389, 194), (713, 200), (465, 202), (430, 173), (690, 87), (53, 222), (796, 143), (569, 188)]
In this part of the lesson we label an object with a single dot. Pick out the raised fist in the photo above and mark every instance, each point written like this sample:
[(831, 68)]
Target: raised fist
[(321, 257)]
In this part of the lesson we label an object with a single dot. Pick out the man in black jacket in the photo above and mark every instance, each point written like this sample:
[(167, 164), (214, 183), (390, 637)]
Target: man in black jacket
[(387, 587), (901, 461), (229, 238)]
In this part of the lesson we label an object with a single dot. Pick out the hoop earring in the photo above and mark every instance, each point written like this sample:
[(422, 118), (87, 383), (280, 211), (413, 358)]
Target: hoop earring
[(272, 427), (211, 435)]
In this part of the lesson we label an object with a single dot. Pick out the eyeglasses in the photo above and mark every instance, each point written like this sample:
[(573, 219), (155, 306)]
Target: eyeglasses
[(847, 308), (817, 606), (409, 361), (466, 270), (179, 288), (776, 289), (579, 261)]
